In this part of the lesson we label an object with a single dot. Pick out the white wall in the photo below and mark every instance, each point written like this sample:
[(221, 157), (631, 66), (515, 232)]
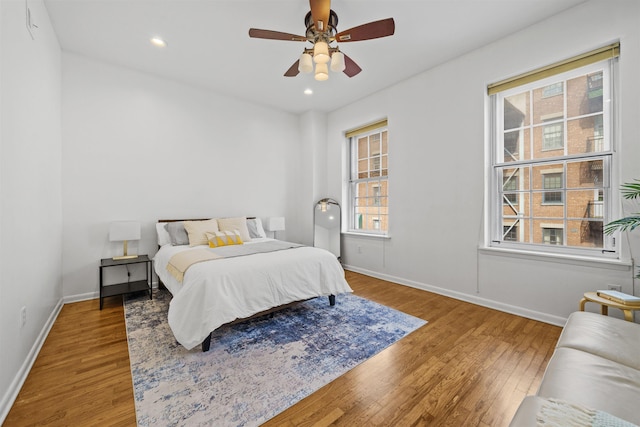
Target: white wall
[(437, 139), (30, 189), (145, 148)]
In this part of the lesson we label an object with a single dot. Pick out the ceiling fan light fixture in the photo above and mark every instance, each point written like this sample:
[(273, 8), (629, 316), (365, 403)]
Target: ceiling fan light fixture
[(306, 63), (321, 52), (322, 72), (337, 62)]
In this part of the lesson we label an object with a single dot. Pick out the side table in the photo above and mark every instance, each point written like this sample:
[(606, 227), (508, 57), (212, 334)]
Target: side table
[(606, 303), (127, 287)]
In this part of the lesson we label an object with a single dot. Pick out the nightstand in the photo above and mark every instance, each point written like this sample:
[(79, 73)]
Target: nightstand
[(128, 287)]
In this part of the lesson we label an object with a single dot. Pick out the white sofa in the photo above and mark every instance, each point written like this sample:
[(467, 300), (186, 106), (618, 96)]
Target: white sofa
[(596, 365)]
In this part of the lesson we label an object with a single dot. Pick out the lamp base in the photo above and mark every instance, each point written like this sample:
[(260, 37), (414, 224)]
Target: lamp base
[(125, 257)]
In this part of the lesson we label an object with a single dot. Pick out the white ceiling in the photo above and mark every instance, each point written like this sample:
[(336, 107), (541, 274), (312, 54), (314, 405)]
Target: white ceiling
[(209, 44)]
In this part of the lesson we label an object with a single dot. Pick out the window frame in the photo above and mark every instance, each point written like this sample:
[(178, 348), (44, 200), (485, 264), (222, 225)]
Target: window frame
[(354, 223), (498, 222)]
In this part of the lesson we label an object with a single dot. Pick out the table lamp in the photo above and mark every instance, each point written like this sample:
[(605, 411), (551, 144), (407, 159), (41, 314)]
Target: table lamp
[(275, 224), (124, 231)]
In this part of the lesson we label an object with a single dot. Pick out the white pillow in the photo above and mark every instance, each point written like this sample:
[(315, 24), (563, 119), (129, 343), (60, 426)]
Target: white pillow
[(163, 234), (238, 223), (197, 231), (255, 228)]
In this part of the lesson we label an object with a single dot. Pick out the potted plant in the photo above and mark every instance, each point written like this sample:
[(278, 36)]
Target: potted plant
[(628, 223)]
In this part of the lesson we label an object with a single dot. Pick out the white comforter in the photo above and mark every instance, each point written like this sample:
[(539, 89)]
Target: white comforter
[(217, 292)]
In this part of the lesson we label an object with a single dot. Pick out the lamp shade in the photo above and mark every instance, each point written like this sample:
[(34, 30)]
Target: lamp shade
[(322, 72), (124, 230), (321, 52), (275, 223), (337, 62), (306, 63)]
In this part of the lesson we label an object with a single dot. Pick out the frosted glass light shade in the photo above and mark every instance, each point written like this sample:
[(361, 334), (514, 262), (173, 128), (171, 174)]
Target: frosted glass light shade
[(321, 52), (337, 62), (322, 72), (305, 65)]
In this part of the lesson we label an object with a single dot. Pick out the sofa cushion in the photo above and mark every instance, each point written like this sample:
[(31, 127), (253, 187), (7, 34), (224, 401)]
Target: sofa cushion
[(526, 414), (604, 336), (593, 381)]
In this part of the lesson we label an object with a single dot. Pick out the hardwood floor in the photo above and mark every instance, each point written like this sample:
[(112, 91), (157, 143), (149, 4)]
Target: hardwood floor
[(469, 366)]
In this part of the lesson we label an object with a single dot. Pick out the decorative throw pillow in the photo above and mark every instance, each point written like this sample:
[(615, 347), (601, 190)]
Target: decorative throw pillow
[(177, 233), (224, 238), (163, 234), (255, 228), (238, 223), (197, 231)]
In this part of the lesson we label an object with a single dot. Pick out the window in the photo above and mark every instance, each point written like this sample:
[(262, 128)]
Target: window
[(552, 137), (552, 156), (552, 236), (552, 181), (368, 179), (553, 90)]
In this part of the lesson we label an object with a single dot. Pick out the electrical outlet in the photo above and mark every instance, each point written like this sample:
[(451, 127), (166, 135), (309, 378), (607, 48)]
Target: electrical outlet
[(614, 287), (23, 316)]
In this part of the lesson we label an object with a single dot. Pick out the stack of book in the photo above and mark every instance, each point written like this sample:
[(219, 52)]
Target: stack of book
[(619, 297)]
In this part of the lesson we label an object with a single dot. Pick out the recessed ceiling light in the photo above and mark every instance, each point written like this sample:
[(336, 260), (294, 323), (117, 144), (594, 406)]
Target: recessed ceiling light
[(308, 92), (157, 41)]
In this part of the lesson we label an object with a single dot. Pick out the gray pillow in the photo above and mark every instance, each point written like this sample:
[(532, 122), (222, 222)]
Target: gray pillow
[(177, 233)]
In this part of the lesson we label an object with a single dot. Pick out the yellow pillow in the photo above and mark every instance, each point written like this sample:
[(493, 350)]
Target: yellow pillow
[(197, 229), (224, 238)]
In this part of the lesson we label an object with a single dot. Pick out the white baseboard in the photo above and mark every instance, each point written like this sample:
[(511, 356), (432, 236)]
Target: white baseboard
[(507, 308), (12, 393)]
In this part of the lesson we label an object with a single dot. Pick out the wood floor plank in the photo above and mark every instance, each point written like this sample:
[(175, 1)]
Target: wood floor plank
[(469, 365)]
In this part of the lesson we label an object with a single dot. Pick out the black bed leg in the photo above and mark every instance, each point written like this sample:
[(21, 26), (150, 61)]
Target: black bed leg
[(206, 344), (332, 300)]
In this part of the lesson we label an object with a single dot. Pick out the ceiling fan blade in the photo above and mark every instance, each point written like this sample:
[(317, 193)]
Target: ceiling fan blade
[(320, 13), (372, 30), (293, 71), (351, 68), (275, 35)]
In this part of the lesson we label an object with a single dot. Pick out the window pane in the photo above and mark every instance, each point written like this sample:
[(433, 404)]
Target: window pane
[(374, 145), (585, 233), (586, 95), (516, 111), (585, 135), (363, 148), (585, 174), (546, 108), (585, 204), (516, 145), (363, 169)]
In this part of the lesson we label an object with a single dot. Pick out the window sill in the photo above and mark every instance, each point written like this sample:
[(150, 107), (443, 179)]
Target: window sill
[(580, 260), (357, 234)]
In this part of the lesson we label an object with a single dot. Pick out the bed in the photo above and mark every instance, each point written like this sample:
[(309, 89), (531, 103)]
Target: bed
[(250, 278)]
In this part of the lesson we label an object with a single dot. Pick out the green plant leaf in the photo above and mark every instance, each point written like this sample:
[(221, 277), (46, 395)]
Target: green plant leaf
[(622, 224), (631, 190)]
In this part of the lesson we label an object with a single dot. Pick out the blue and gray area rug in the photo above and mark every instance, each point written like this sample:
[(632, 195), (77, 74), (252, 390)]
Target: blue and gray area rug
[(255, 369)]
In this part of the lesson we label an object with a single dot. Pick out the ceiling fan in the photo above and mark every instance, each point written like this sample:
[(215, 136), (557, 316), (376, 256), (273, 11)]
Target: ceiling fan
[(321, 23)]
